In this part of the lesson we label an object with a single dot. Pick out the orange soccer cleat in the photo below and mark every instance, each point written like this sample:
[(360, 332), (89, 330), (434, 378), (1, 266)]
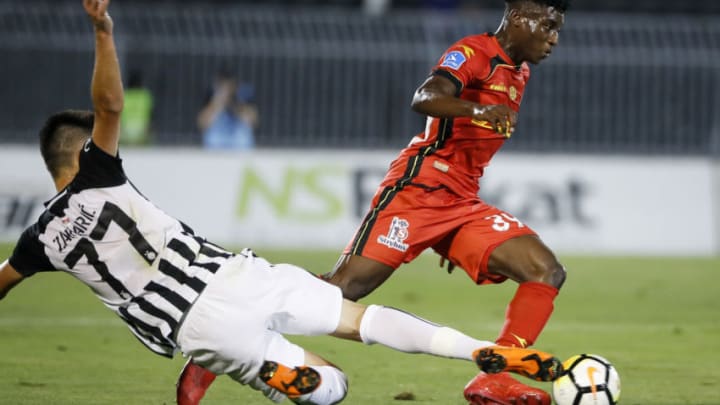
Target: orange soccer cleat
[(293, 382), (502, 389), (534, 364), (193, 383)]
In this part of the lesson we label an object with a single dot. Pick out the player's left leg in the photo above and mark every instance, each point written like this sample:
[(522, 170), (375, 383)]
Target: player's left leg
[(529, 262), (495, 246), (276, 381), (302, 376), (491, 248), (233, 324)]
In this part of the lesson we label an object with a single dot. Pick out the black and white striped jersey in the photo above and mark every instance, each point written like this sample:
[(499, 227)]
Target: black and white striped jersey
[(143, 264)]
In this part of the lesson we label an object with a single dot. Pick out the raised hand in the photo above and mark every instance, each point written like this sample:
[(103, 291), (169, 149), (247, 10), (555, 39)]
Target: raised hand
[(97, 10), (106, 84)]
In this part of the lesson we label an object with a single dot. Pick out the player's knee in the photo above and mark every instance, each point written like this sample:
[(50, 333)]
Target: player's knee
[(548, 271), (343, 285), (351, 288), (558, 276), (553, 273), (358, 276), (356, 290)]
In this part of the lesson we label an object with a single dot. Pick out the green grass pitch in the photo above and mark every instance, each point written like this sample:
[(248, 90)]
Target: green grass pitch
[(656, 319)]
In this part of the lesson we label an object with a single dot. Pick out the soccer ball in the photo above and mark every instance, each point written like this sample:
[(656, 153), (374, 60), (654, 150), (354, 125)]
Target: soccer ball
[(588, 380)]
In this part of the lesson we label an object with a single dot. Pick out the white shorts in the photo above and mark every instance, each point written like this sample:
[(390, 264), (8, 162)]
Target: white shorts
[(249, 301)]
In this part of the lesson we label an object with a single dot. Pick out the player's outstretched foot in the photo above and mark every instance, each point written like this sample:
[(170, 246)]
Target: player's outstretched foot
[(502, 389), (192, 384), (539, 366), (293, 382)]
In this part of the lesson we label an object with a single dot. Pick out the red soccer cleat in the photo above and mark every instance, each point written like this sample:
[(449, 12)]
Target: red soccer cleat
[(192, 384), (502, 389)]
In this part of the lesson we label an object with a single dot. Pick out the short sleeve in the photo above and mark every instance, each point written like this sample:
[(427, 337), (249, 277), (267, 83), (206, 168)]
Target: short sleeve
[(97, 169), (29, 256), (463, 63)]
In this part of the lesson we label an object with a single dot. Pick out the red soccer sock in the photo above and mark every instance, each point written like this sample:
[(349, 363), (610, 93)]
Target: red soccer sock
[(527, 314)]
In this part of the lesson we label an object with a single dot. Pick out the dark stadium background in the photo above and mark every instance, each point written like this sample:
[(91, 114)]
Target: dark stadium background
[(629, 77)]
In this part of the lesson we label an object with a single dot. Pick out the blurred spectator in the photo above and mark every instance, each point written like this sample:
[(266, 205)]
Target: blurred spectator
[(136, 118), (229, 117)]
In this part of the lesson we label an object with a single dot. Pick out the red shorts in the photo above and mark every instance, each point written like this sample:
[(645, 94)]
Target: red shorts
[(402, 224)]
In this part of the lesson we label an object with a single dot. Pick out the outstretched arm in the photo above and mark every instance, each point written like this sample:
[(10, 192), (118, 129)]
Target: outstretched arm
[(437, 98), (9, 278), (107, 88)]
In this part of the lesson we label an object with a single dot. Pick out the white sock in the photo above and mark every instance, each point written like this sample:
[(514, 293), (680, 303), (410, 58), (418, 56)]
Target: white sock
[(407, 333), (333, 387)]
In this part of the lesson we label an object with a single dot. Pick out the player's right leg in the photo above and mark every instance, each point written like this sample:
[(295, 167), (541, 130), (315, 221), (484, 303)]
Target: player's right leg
[(405, 332)]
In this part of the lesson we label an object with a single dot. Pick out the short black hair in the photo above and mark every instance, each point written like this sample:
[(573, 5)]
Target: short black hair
[(560, 5), (60, 135)]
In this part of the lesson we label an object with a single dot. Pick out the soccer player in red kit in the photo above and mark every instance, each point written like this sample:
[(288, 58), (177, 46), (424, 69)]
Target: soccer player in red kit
[(429, 197)]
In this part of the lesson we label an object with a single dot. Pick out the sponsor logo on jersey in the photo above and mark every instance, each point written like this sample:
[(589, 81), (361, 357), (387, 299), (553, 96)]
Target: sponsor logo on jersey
[(454, 60), (396, 235), (469, 52)]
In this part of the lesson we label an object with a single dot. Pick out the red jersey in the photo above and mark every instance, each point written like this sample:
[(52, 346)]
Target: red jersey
[(455, 151)]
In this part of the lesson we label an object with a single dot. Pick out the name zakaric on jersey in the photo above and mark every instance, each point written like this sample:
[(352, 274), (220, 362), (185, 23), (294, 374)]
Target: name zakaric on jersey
[(77, 227)]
